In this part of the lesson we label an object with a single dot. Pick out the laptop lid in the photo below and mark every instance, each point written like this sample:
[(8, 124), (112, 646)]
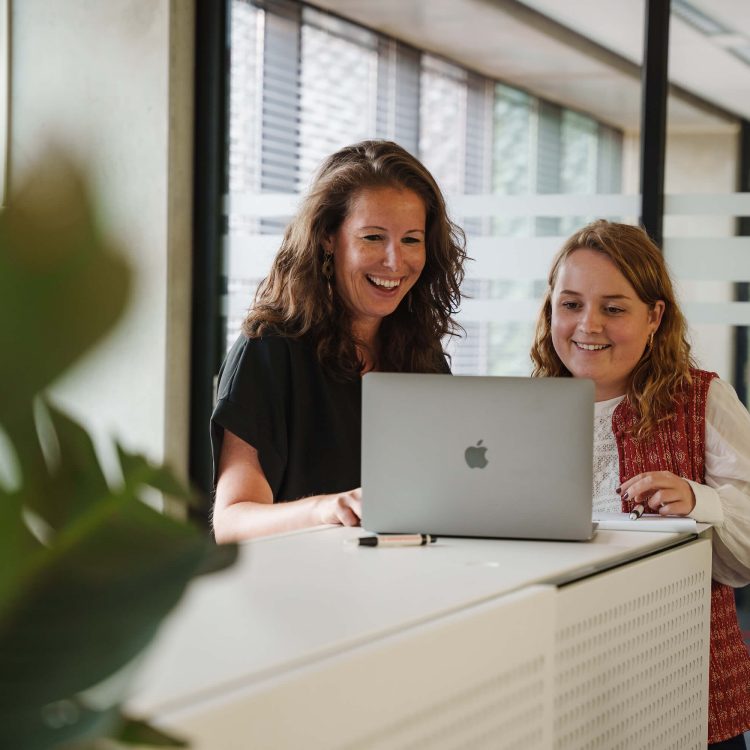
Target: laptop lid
[(477, 456)]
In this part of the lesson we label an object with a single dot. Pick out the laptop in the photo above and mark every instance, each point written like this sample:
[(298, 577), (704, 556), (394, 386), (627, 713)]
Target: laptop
[(497, 457)]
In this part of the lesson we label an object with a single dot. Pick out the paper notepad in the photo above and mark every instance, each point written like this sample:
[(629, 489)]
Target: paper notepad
[(621, 522)]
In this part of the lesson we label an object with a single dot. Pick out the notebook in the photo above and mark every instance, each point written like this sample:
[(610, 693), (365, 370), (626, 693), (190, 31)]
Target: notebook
[(647, 522), (498, 457)]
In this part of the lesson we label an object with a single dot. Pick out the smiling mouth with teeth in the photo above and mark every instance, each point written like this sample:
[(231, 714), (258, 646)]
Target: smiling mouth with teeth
[(384, 283), (591, 347)]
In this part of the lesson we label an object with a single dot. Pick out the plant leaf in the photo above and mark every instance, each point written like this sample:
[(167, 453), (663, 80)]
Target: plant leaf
[(75, 483), (138, 732), (86, 606), (78, 606), (16, 542), (137, 471), (58, 275)]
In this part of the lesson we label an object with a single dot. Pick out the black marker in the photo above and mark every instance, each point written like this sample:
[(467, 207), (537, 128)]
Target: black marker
[(396, 540)]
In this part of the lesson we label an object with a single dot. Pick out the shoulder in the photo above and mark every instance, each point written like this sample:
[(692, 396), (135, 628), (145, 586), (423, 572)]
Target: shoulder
[(722, 398), (702, 378), (260, 362), (696, 391), (247, 351), (274, 348), (727, 423)]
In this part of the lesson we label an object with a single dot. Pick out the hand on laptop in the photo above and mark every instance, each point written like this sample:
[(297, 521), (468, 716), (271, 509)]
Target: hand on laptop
[(344, 508)]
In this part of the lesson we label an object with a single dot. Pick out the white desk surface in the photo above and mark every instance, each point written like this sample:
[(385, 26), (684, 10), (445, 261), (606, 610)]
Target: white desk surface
[(296, 598)]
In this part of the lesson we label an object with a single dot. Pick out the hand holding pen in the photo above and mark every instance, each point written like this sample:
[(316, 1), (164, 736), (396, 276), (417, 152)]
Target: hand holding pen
[(659, 492)]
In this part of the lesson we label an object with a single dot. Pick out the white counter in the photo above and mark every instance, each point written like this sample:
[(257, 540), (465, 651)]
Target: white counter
[(295, 604)]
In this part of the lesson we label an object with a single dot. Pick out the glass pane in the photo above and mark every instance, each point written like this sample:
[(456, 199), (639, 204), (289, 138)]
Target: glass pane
[(442, 132), (338, 94)]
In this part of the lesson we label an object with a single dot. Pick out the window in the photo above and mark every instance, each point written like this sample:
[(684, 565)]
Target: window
[(339, 89)]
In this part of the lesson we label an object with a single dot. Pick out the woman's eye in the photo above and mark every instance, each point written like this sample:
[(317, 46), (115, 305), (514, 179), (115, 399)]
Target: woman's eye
[(614, 310), (411, 240), (373, 237), (569, 305)]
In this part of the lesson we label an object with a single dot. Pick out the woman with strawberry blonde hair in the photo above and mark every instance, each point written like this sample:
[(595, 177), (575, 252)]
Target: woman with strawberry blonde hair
[(667, 435)]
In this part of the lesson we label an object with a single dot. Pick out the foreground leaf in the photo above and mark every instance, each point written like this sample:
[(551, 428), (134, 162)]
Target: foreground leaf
[(137, 732), (86, 573), (61, 285), (16, 543), (75, 483), (87, 606)]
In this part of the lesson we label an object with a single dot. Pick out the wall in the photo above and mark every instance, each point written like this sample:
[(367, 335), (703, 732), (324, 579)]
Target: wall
[(112, 81)]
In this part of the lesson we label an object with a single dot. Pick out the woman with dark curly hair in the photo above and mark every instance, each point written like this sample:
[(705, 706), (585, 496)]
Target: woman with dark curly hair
[(667, 436), (367, 278)]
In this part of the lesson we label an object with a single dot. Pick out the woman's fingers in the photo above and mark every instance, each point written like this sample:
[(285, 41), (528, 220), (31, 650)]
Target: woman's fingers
[(348, 517), (666, 499), (680, 506), (344, 508), (661, 491), (350, 509), (643, 486), (641, 483)]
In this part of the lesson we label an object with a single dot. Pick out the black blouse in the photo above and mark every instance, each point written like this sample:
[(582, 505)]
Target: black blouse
[(306, 427)]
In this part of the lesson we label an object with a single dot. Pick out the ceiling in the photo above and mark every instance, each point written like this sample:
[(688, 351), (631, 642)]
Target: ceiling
[(584, 54)]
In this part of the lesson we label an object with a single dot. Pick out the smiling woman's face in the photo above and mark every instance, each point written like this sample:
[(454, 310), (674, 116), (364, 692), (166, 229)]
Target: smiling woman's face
[(600, 327), (378, 254)]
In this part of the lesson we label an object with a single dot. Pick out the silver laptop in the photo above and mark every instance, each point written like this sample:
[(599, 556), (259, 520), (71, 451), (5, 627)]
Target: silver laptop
[(477, 456)]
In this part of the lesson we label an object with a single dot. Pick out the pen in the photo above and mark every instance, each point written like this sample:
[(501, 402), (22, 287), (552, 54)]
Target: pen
[(396, 540), (637, 512)]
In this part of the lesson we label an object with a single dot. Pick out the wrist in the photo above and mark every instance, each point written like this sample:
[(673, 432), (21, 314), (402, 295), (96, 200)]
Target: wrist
[(692, 501), (317, 510), (708, 507)]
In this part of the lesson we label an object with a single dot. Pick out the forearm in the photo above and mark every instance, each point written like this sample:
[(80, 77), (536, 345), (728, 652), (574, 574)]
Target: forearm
[(724, 500), (248, 520), (726, 508), (731, 544)]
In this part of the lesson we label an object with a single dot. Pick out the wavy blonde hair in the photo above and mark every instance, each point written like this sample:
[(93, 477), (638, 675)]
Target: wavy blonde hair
[(296, 299), (663, 370)]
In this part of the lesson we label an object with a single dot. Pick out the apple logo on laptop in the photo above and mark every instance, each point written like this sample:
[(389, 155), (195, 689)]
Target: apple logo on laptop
[(474, 455)]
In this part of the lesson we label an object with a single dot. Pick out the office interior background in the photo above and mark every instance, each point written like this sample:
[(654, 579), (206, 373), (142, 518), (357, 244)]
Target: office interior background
[(505, 103), (528, 113)]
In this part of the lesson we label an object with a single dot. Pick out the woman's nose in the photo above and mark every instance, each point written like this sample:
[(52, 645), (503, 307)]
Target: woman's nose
[(392, 260), (590, 321)]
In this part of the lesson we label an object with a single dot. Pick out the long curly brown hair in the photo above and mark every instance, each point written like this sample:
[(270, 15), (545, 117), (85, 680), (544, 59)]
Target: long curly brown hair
[(664, 368), (296, 299)]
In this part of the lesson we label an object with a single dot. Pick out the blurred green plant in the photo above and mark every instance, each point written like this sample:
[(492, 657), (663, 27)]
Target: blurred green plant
[(87, 569)]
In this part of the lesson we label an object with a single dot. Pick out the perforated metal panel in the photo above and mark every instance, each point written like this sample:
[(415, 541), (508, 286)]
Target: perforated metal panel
[(480, 678), (631, 656), (502, 713)]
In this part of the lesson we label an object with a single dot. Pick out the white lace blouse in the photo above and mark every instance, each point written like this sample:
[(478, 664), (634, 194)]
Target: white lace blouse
[(724, 500)]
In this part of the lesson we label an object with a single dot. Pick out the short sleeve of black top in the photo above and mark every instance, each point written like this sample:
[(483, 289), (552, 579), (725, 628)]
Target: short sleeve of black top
[(306, 427)]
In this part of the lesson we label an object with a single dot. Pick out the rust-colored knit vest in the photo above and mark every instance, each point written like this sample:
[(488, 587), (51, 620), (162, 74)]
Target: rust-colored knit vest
[(678, 445)]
